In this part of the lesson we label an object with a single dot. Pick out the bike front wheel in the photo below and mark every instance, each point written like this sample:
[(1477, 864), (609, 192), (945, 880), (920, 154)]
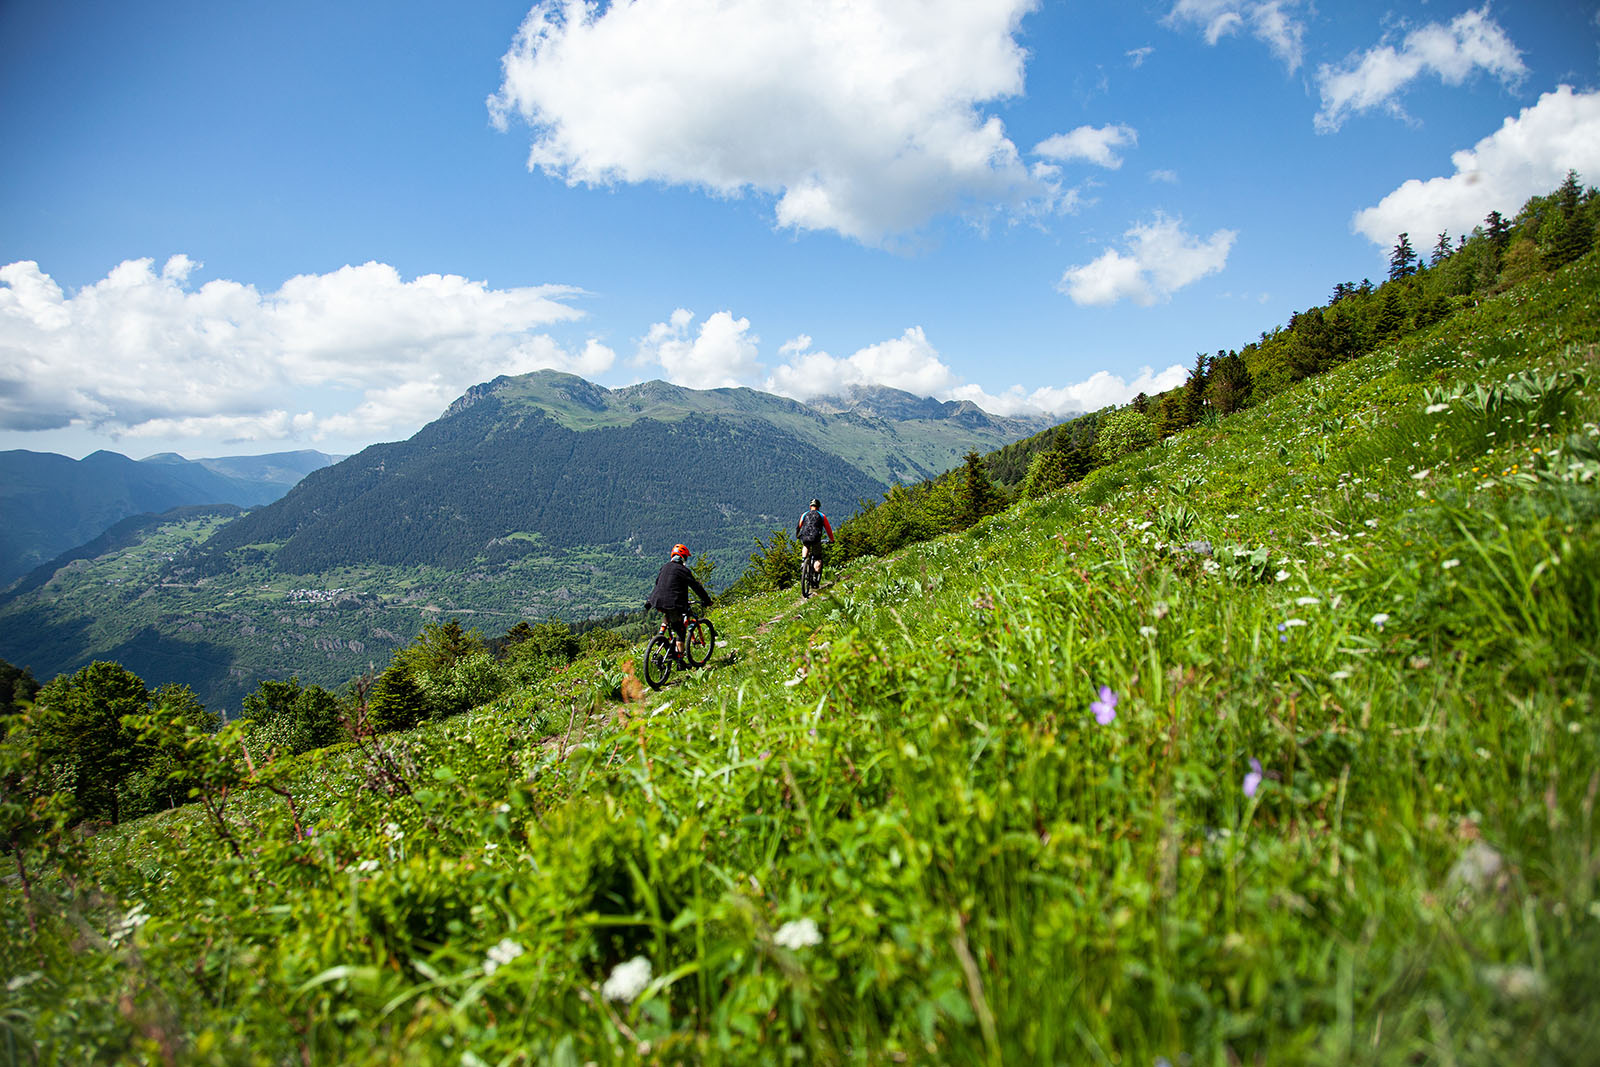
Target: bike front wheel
[(699, 642), (658, 661)]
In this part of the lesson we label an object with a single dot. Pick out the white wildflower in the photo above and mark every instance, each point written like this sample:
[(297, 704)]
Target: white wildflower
[(1417, 477), (627, 980), (1147, 631), (1434, 409), (504, 808), (368, 866), (1380, 618), (502, 954), (1450, 564), (1339, 676), (1371, 523), (1307, 601), (1294, 622), (394, 831), (1282, 576), (124, 928), (1211, 566), (797, 934)]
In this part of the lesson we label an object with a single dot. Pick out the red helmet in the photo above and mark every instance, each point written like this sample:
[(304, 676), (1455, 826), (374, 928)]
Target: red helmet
[(681, 550)]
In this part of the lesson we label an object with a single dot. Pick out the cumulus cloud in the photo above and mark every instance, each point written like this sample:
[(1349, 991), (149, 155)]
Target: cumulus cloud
[(721, 354), (145, 354), (1268, 21), (1528, 155), (1160, 259), (864, 117), (1137, 56), (910, 362), (1097, 145), (1373, 79)]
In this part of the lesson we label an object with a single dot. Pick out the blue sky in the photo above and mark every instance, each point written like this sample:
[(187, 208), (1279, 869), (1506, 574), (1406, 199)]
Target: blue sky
[(230, 229)]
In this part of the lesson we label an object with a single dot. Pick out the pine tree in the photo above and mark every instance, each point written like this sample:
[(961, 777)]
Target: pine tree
[(1403, 260), (1497, 230), (1441, 248), (977, 497), (77, 720)]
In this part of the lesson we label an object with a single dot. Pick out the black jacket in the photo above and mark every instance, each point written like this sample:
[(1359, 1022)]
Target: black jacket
[(672, 588)]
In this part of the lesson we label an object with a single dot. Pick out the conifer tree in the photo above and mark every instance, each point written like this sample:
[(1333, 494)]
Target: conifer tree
[(1441, 248), (1403, 260), (77, 723), (977, 497)]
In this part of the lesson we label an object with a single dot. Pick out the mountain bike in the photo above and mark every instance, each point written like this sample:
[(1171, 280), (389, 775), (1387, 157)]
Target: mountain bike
[(811, 571), (661, 656)]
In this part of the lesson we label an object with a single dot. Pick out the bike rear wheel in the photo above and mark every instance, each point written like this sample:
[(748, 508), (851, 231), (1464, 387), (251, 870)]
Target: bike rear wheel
[(810, 579), (658, 661), (699, 642)]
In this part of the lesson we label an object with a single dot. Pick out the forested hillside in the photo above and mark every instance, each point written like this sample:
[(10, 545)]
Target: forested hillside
[(52, 503)]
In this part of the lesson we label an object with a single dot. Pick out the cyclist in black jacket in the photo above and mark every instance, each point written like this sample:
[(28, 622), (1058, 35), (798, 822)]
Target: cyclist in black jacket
[(671, 594), (809, 530)]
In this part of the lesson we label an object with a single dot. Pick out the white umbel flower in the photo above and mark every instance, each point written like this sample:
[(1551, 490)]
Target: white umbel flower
[(798, 934), (627, 980)]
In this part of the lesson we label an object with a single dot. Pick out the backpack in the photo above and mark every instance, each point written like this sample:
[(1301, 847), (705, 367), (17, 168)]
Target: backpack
[(811, 526)]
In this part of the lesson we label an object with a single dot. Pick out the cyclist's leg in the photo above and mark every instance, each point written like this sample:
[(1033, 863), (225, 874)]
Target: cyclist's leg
[(676, 621)]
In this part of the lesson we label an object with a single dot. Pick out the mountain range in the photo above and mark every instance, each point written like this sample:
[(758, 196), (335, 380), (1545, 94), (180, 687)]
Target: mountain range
[(53, 503), (532, 496)]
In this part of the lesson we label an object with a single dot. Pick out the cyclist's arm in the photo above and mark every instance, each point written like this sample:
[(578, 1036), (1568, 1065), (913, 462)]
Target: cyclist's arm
[(699, 590), (826, 525)]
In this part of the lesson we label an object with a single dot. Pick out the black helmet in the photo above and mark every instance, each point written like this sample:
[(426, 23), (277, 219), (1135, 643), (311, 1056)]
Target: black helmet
[(815, 502)]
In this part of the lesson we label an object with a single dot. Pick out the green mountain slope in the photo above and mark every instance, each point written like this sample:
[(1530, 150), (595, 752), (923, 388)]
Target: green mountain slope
[(1277, 743), (531, 497), (52, 503)]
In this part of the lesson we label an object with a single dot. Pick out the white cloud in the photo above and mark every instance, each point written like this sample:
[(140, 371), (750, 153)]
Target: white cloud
[(147, 355), (1269, 21), (1473, 41), (910, 362), (1160, 259), (1528, 155), (860, 116), (1170, 177), (722, 354), (1137, 56), (1098, 145)]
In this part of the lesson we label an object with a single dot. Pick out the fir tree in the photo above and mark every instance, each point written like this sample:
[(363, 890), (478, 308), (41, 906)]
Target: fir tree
[(977, 497), (1403, 260), (1441, 248)]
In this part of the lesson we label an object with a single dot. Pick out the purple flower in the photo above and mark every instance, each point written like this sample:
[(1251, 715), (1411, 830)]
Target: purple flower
[(1105, 709), (1252, 781)]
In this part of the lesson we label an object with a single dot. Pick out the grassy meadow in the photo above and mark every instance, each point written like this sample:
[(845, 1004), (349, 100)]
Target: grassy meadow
[(1276, 743)]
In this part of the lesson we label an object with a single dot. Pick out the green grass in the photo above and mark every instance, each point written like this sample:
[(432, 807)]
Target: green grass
[(1395, 620)]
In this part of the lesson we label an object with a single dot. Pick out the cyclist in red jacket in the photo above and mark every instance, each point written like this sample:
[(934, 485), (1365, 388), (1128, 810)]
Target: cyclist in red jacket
[(812, 525), (671, 594)]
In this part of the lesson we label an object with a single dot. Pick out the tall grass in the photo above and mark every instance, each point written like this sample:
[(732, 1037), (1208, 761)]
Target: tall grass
[(1276, 744)]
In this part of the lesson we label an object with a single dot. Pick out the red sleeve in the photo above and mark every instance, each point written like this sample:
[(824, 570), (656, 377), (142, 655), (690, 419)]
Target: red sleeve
[(826, 525)]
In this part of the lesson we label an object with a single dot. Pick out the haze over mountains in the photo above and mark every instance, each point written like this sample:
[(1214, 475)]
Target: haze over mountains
[(531, 496), (53, 503)]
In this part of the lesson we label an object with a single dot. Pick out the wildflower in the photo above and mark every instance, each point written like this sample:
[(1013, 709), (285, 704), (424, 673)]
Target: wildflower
[(1450, 563), (1289, 624), (1417, 477), (1147, 631), (1339, 676), (1282, 576), (1252, 781), (1211, 566), (798, 934), (504, 808), (394, 831), (1380, 618), (627, 980), (1434, 409), (1373, 523), (1307, 601), (368, 866), (502, 954), (1105, 709)]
